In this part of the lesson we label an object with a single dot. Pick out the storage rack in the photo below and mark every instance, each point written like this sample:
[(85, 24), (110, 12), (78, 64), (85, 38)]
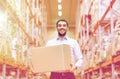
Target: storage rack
[(102, 70), (96, 23), (26, 28)]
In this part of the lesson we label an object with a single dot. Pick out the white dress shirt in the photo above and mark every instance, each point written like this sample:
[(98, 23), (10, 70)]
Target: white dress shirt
[(75, 49)]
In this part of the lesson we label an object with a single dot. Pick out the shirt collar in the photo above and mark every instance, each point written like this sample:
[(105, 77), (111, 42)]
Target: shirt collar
[(63, 39)]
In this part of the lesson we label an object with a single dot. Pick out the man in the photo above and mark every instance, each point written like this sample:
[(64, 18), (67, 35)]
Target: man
[(62, 27)]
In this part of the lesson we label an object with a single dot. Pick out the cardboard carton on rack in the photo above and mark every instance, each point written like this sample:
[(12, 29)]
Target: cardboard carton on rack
[(51, 58)]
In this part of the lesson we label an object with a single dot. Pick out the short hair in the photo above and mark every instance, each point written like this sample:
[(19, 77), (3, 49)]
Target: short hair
[(62, 20)]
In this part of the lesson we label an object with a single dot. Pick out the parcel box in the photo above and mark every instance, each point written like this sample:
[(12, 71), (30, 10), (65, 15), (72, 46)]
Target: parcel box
[(51, 58)]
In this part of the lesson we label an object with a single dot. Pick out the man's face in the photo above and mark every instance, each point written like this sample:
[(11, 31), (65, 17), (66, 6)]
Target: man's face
[(62, 28)]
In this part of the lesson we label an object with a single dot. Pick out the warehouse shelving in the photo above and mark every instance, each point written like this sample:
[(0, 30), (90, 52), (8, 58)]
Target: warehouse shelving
[(96, 34), (103, 69), (24, 27)]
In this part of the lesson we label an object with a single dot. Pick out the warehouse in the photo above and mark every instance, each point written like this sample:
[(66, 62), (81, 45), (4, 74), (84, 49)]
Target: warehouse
[(27, 25)]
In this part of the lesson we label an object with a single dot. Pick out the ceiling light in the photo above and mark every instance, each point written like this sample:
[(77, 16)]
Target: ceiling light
[(59, 1), (59, 6), (60, 13)]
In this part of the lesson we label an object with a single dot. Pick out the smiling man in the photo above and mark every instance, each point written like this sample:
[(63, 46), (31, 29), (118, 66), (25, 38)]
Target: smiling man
[(62, 27)]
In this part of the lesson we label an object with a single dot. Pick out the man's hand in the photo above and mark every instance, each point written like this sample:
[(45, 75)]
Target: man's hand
[(73, 67)]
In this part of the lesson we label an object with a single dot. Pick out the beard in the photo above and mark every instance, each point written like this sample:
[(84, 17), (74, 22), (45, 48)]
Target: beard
[(61, 34)]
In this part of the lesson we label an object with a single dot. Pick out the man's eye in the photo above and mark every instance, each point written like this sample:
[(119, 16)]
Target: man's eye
[(59, 25), (62, 25)]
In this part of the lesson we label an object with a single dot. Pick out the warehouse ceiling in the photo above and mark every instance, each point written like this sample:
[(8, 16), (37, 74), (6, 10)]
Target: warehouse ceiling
[(69, 8)]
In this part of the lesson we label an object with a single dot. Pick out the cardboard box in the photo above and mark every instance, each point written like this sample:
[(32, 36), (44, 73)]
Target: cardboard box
[(51, 58)]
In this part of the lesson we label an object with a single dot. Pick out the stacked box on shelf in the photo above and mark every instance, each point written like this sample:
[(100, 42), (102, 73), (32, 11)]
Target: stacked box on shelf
[(86, 64), (109, 53)]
